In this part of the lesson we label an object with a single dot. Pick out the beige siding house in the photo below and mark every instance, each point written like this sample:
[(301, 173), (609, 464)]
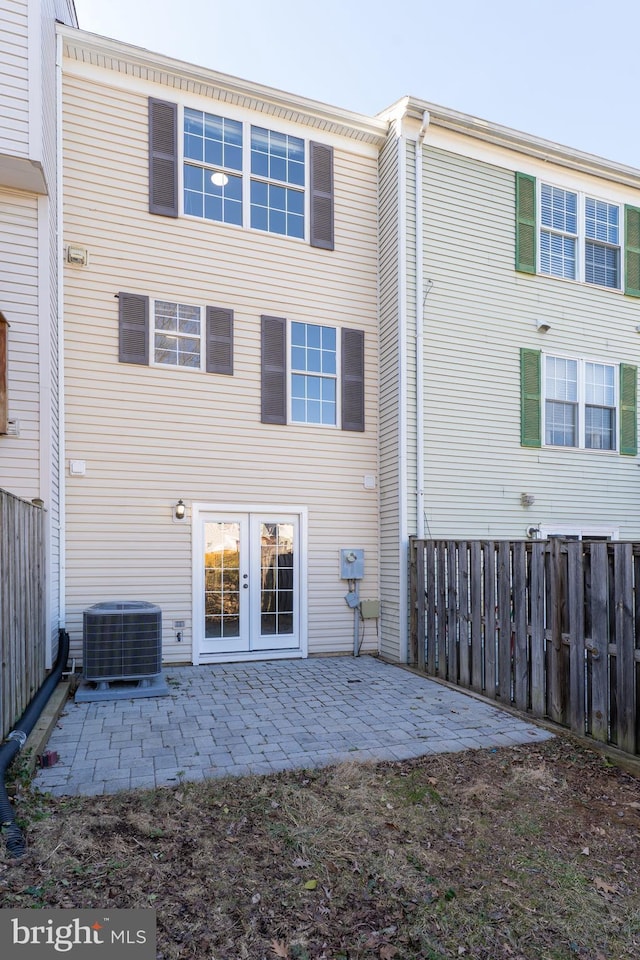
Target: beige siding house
[(514, 375), (221, 355), (29, 257)]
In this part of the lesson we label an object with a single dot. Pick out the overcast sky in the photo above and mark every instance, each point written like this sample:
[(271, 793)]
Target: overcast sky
[(566, 70)]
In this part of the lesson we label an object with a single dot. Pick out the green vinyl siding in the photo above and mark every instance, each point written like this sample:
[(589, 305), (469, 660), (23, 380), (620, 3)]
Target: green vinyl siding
[(525, 223), (628, 409), (530, 398)]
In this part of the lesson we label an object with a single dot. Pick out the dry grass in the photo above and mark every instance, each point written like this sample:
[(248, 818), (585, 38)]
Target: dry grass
[(528, 853)]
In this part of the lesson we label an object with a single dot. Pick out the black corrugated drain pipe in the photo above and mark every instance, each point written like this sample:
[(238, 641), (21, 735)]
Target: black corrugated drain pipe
[(14, 838)]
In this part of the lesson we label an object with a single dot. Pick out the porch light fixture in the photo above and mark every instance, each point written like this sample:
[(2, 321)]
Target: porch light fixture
[(180, 510)]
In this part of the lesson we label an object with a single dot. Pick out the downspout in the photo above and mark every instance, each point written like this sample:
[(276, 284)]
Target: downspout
[(60, 330), (403, 542), (16, 740), (421, 297)]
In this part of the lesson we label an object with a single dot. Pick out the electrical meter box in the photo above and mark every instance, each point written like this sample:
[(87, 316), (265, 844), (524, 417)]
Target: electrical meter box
[(351, 564)]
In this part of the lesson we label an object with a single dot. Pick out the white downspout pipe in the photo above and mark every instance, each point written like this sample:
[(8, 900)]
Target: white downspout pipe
[(421, 296), (60, 331)]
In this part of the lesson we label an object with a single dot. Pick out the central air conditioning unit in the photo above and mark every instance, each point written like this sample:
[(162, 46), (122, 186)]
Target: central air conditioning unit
[(122, 642)]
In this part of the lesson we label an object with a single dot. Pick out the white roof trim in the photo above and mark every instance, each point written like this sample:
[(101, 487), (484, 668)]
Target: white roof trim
[(178, 75), (523, 143)]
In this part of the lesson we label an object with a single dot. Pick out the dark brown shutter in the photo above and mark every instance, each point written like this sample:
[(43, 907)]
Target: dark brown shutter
[(163, 158), (321, 180), (352, 380), (133, 317), (219, 340), (274, 370)]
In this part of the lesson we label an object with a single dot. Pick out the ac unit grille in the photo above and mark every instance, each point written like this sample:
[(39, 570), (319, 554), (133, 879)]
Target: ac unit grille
[(122, 640)]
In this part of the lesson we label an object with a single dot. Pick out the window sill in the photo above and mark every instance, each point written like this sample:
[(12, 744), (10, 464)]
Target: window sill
[(579, 283), (241, 228)]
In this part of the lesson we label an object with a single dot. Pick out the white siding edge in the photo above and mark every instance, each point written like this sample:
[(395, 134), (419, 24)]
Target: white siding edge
[(34, 39), (403, 544)]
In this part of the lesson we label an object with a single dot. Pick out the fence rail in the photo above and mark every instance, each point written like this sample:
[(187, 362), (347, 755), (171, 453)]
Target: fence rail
[(22, 606), (550, 627)]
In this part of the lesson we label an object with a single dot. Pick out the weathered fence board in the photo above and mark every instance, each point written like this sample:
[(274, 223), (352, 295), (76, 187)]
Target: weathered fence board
[(22, 606), (549, 627)]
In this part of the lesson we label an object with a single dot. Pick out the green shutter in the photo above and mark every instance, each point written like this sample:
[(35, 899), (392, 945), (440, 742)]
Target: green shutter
[(525, 223), (628, 409), (632, 251), (530, 398)]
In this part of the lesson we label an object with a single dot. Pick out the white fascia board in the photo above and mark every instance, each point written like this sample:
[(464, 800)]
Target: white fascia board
[(472, 128), (177, 75)]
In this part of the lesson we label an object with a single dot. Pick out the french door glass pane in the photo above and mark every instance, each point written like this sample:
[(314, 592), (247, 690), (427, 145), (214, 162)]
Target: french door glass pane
[(276, 578), (222, 580)]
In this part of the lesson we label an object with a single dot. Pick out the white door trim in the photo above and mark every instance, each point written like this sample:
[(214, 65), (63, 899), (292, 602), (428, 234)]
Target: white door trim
[(197, 605)]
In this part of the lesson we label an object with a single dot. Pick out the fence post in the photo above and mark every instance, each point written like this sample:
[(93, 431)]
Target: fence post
[(420, 601), (599, 647), (577, 667), (557, 677), (625, 727), (413, 601), (537, 595)]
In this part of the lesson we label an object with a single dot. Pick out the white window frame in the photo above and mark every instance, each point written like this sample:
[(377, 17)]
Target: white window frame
[(245, 174), (578, 530), (581, 404), (337, 376), (153, 330), (581, 235)]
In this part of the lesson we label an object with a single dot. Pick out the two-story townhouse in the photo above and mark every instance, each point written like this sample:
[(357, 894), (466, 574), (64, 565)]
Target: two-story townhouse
[(29, 276), (510, 277), (221, 355)]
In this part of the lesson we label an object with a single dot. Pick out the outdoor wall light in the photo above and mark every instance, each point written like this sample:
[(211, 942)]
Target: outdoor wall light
[(180, 510), (542, 326)]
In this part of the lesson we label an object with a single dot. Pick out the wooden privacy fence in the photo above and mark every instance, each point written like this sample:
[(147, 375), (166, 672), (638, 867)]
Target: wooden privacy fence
[(551, 628), (22, 606)]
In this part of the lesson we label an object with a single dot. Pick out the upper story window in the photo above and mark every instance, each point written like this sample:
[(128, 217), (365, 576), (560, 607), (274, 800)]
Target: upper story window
[(314, 369), (580, 404), (311, 374), (239, 173), (176, 334), (212, 167), (573, 402), (579, 237), (277, 182), (173, 334), (576, 236)]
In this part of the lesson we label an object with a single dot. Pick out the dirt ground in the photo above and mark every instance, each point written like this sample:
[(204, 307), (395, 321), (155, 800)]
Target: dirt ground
[(526, 853)]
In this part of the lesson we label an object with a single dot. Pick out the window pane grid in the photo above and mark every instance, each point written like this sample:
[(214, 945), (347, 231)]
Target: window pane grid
[(276, 576), (222, 580), (579, 237), (313, 374), (177, 334), (214, 164), (580, 404)]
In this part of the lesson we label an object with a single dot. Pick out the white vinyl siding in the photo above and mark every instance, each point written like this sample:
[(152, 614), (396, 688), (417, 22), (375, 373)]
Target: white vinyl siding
[(14, 79), (20, 456), (153, 434)]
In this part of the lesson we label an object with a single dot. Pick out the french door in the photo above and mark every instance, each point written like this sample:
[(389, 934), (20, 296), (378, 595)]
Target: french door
[(248, 579)]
